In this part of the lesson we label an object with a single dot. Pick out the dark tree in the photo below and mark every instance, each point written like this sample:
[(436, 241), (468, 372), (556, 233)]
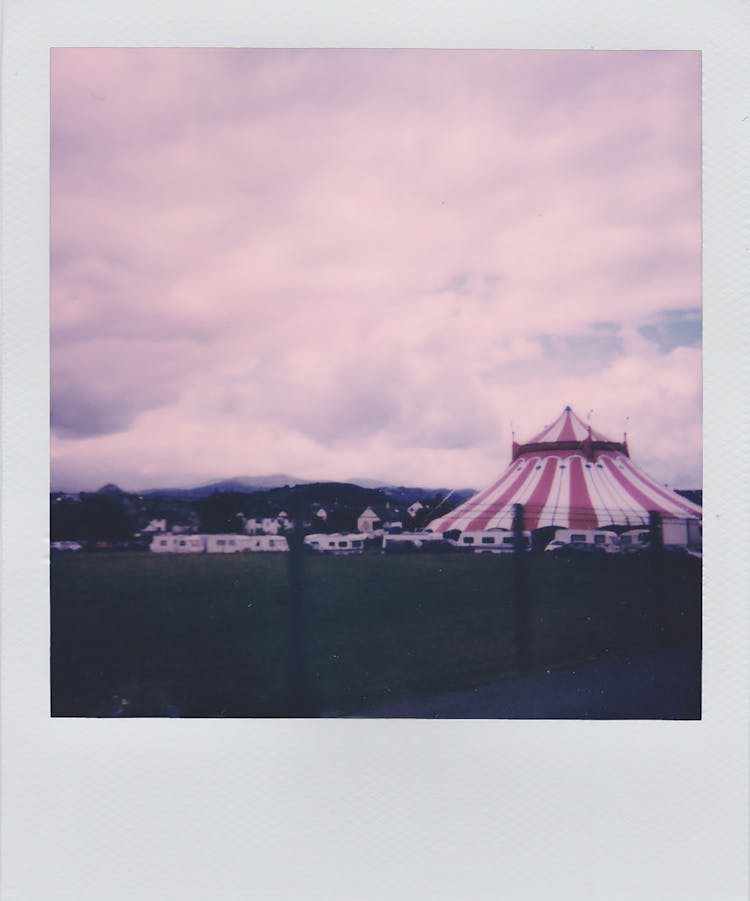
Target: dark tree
[(219, 513)]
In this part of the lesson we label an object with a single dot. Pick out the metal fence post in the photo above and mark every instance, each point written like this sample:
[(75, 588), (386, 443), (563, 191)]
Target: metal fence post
[(659, 596), (297, 688), (656, 535), (521, 610)]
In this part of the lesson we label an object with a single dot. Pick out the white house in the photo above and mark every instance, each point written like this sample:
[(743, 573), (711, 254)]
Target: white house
[(415, 508), (156, 525), (368, 521), (267, 525)]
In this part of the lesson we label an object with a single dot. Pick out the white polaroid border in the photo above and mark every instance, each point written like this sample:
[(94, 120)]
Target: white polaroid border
[(192, 809)]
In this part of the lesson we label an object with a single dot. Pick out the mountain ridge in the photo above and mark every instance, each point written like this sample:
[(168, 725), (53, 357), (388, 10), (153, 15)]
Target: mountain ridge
[(249, 484)]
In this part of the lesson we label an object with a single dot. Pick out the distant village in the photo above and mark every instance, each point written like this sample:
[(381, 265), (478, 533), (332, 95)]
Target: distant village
[(181, 520)]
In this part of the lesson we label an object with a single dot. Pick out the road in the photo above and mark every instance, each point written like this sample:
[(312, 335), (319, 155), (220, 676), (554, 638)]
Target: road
[(663, 685)]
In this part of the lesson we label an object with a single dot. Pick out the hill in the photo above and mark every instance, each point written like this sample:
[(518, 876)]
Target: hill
[(114, 515), (240, 484)]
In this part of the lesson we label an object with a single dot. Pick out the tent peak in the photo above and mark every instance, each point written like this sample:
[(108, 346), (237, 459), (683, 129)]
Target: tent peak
[(568, 433)]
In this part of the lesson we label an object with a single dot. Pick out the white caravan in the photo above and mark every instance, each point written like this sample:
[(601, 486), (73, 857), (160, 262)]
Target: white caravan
[(596, 537), (227, 544), (490, 541), (336, 543), (272, 543), (178, 544), (687, 533)]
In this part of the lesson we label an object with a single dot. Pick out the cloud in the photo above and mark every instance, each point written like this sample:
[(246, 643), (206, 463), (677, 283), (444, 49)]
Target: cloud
[(329, 262), (674, 328)]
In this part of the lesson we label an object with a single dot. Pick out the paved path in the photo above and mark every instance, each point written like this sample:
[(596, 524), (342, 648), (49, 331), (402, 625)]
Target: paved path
[(662, 685)]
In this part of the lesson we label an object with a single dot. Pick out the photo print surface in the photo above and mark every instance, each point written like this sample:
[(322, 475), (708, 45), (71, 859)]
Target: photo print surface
[(376, 383)]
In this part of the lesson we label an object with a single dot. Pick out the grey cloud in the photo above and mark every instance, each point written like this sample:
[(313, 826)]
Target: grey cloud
[(595, 348), (81, 412), (478, 284), (675, 328), (565, 355), (457, 284), (101, 401), (692, 314), (100, 387)]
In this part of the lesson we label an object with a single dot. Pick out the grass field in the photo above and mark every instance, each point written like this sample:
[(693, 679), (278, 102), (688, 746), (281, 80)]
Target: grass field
[(147, 635)]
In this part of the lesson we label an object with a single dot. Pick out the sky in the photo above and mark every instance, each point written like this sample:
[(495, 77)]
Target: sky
[(339, 263)]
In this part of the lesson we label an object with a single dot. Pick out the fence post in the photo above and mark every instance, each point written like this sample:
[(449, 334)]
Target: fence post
[(656, 536), (521, 611), (659, 596), (298, 700)]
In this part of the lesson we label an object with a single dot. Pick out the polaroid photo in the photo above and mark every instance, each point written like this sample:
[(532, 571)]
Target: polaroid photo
[(360, 395)]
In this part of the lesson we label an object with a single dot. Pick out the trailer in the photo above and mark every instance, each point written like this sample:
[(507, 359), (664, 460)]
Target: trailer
[(682, 533), (337, 543), (265, 543), (178, 544), (490, 541), (227, 544)]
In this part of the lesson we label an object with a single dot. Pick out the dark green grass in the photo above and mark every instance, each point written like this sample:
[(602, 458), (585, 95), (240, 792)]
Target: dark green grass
[(208, 635)]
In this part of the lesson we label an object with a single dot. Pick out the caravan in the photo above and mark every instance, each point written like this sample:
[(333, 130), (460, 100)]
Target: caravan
[(336, 544), (178, 544), (682, 533), (227, 544), (490, 541), (271, 543)]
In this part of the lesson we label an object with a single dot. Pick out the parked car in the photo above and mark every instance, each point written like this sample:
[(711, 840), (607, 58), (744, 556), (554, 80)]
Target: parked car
[(66, 546), (413, 542), (635, 541), (573, 550), (603, 538)]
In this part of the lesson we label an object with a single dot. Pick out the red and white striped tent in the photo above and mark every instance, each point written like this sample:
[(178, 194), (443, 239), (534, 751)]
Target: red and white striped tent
[(570, 476)]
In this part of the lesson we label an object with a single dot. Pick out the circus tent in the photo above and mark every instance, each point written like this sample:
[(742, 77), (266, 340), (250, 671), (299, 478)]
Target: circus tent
[(571, 476)]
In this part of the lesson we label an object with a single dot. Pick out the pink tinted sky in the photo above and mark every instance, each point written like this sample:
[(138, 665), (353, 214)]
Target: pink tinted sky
[(368, 263)]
